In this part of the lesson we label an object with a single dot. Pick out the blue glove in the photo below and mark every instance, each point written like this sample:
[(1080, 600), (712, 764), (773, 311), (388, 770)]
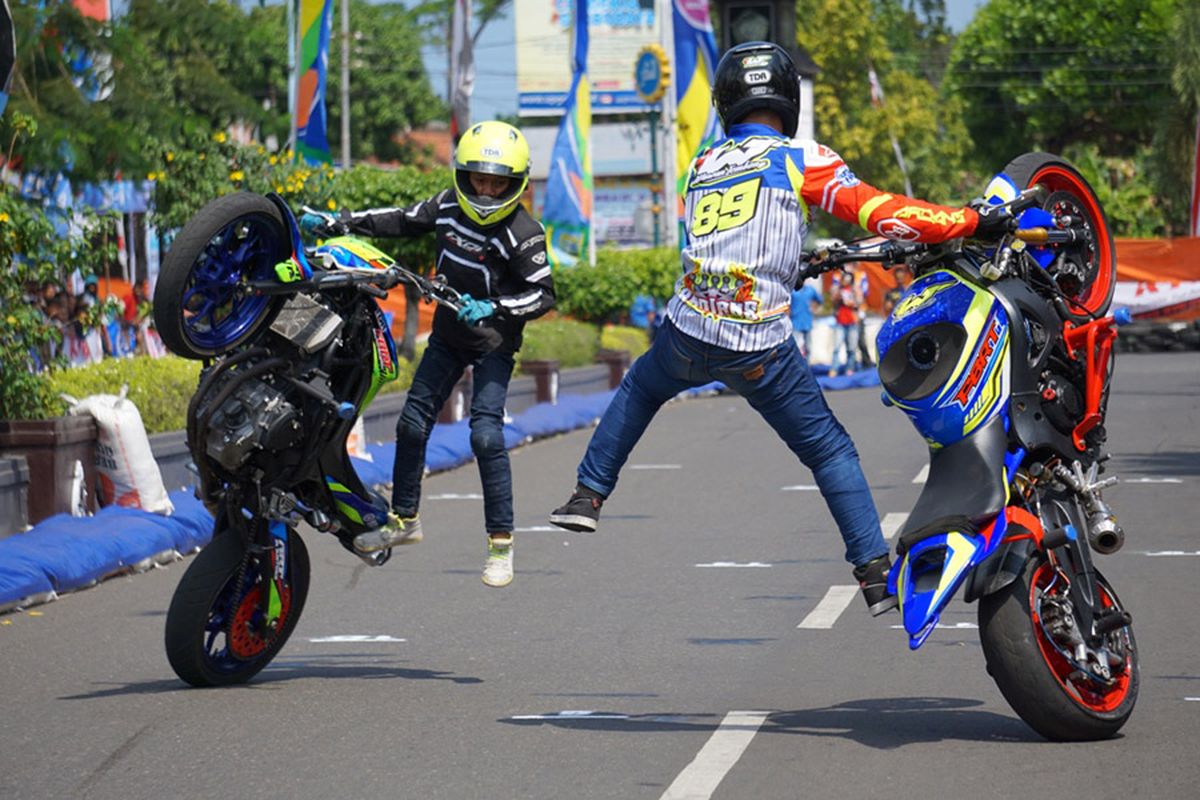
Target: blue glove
[(312, 223), (473, 311)]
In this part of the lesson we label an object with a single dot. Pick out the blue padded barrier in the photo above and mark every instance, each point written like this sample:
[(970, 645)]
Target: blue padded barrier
[(64, 553)]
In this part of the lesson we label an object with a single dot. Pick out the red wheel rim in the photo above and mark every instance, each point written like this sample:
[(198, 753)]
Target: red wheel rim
[(245, 642), (1056, 178), (1093, 696)]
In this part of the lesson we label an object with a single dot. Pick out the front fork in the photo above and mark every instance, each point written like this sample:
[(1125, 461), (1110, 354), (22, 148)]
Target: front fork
[(268, 539)]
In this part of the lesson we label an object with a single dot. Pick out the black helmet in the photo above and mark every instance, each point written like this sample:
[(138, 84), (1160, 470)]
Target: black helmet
[(757, 75)]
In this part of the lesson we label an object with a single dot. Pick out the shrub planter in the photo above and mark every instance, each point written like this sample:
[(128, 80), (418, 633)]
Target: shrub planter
[(51, 448)]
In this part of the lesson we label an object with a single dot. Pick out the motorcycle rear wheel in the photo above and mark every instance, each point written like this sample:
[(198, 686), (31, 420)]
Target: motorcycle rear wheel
[(202, 306), (1071, 194), (212, 642), (1045, 689)]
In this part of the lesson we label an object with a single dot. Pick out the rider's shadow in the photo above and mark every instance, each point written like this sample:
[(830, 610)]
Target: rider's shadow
[(884, 724)]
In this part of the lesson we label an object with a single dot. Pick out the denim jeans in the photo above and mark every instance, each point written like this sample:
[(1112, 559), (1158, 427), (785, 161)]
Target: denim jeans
[(845, 341), (439, 370), (779, 385)]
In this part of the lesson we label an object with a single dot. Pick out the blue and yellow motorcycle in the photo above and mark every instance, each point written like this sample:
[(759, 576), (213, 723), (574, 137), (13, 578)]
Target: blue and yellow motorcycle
[(295, 347), (1001, 354)]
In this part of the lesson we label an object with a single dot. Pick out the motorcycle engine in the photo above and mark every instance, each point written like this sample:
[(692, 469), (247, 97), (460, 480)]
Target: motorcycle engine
[(1062, 402), (255, 418)]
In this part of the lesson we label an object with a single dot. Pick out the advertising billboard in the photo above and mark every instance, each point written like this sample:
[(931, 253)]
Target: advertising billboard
[(619, 29)]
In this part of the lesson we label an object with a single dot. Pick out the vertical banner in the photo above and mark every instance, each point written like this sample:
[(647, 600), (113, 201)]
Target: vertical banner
[(567, 215), (313, 23), (1194, 227), (877, 100), (695, 58), (462, 68)]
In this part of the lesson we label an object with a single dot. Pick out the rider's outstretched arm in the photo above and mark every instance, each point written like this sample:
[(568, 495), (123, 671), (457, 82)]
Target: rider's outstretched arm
[(400, 222)]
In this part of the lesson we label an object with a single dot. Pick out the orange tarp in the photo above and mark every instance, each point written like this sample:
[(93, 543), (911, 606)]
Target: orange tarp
[(1158, 259)]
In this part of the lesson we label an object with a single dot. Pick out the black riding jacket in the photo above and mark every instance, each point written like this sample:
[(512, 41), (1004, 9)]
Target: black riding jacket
[(505, 263)]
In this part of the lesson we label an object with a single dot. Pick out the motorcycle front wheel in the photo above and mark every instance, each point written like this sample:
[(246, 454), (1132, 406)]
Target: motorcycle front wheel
[(1088, 273), (1027, 630), (214, 635), (203, 306)]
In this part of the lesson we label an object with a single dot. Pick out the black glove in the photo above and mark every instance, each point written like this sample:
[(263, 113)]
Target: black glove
[(994, 221)]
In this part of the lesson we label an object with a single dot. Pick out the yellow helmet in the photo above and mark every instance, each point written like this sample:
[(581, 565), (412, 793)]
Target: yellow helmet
[(493, 148)]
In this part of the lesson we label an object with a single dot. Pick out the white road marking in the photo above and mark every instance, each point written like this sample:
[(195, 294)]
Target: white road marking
[(922, 475), (830, 608), (1153, 553), (735, 564), (470, 496), (537, 528), (356, 637), (655, 466), (1151, 480), (800, 488), (892, 522), (704, 774), (1192, 699), (958, 626)]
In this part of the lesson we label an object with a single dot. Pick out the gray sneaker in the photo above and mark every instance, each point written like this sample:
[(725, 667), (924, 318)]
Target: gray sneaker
[(396, 531), (498, 569)]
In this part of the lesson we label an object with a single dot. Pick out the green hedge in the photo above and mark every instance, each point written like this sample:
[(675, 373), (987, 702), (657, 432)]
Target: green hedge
[(605, 292), (159, 387), (162, 387)]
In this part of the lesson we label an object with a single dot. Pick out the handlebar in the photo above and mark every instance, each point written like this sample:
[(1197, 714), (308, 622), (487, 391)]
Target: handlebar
[(818, 262)]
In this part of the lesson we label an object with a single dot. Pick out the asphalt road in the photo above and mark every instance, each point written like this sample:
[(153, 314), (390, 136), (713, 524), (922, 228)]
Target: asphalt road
[(687, 649)]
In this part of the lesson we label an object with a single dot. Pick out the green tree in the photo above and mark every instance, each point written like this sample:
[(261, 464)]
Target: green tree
[(1035, 75), (390, 92), (845, 37)]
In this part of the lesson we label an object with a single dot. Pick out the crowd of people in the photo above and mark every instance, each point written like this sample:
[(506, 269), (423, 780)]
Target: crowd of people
[(94, 323)]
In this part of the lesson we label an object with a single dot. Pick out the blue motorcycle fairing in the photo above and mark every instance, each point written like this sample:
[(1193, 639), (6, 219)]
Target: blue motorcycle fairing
[(948, 385), (289, 219), (932, 571)]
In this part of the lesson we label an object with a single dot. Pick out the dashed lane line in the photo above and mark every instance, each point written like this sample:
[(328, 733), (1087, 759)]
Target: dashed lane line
[(922, 475), (830, 608), (704, 774), (892, 522)]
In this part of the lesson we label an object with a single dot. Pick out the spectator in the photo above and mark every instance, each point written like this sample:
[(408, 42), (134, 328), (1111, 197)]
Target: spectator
[(847, 301), (903, 277), (805, 300)]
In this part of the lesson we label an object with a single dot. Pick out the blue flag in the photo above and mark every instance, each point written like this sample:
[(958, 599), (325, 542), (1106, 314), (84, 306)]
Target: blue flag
[(567, 215)]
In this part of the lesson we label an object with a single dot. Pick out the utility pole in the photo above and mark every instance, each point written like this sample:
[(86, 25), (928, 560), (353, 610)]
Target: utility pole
[(345, 84)]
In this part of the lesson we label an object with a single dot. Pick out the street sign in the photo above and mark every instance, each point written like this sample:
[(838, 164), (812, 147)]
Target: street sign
[(651, 73)]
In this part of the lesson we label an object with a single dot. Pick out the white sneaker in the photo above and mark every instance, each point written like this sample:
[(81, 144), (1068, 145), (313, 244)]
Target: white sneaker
[(498, 569), (396, 531)]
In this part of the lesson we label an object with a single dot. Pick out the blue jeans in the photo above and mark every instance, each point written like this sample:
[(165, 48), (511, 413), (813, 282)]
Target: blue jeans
[(439, 370), (778, 385), (845, 340)]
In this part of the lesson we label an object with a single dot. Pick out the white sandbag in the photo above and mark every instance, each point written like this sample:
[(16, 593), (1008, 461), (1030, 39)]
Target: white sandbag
[(129, 475)]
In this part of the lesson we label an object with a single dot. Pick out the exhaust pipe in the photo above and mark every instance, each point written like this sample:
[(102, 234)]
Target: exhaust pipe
[(1104, 534)]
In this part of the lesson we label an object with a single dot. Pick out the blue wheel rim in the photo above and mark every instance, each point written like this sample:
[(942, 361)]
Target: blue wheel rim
[(217, 307)]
